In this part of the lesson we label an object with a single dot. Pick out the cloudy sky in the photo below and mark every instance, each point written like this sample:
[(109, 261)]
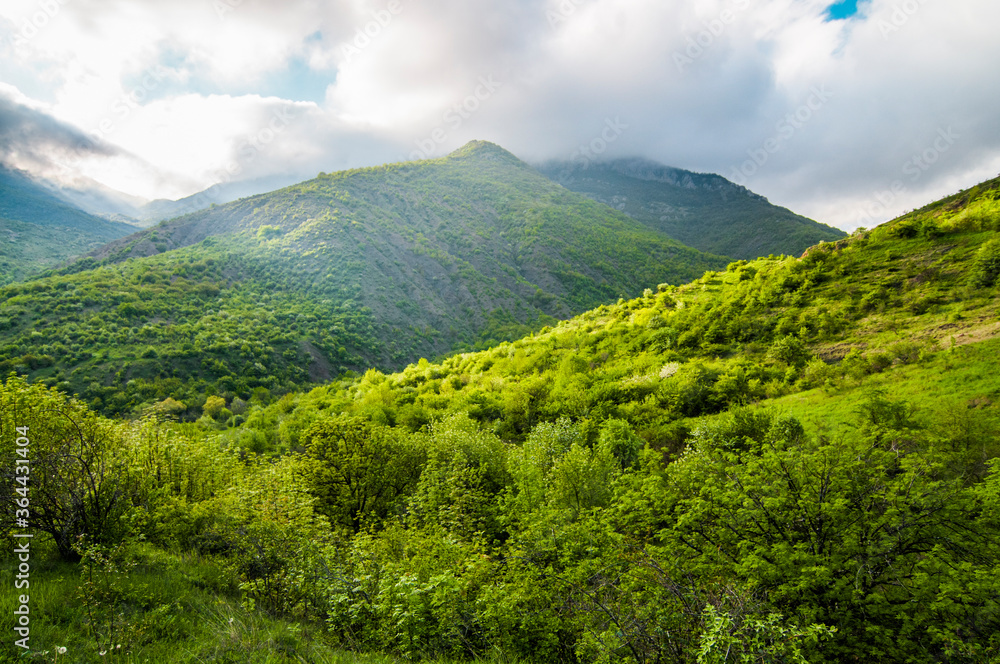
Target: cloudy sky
[(847, 112)]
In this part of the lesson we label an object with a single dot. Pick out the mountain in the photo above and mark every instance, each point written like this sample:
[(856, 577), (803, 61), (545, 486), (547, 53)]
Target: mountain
[(793, 457), (218, 194), (370, 267), (39, 230), (101, 201), (872, 303), (703, 211), (96, 199)]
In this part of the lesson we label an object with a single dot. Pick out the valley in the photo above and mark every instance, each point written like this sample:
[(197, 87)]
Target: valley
[(376, 267), (790, 455)]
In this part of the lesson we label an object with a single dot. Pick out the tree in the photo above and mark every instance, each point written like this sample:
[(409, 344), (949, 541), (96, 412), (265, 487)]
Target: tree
[(862, 534), (79, 482), (213, 406), (790, 350), (358, 470), (986, 265)]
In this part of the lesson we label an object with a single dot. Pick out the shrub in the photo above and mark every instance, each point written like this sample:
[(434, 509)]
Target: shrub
[(80, 480), (986, 265), (788, 350)]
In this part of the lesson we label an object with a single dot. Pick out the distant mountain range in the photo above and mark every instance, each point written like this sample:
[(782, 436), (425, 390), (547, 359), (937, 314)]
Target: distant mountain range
[(703, 211), (99, 200), (39, 230), (218, 194)]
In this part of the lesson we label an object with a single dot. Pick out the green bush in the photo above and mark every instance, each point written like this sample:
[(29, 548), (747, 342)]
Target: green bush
[(986, 266)]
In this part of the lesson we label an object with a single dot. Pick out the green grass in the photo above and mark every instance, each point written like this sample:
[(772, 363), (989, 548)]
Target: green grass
[(948, 381), (174, 609), (170, 608)]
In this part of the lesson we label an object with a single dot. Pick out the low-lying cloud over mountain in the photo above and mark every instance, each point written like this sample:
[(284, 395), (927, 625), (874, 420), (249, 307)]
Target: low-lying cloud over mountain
[(34, 140), (848, 112)]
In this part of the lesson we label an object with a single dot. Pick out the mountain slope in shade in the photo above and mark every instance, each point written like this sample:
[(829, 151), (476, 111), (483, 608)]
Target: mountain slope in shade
[(478, 215), (370, 267), (39, 230), (704, 211), (96, 199)]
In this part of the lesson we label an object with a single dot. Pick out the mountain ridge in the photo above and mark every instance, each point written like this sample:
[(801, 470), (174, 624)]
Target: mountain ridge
[(702, 210), (368, 267), (39, 229)]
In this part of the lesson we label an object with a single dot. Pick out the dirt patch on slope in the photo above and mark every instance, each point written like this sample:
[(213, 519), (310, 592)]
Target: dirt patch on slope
[(319, 367)]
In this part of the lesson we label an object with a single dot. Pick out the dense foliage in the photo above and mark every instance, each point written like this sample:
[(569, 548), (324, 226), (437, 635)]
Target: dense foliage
[(376, 267), (793, 460), (759, 539), (757, 330), (179, 328)]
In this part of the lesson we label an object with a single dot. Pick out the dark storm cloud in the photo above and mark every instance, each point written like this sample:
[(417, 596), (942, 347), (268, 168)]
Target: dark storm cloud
[(30, 138)]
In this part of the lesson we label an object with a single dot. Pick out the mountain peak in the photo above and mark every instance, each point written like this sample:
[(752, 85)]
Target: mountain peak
[(484, 150)]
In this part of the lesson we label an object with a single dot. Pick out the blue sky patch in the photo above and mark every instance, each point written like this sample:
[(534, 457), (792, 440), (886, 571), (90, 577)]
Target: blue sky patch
[(843, 9), (297, 82)]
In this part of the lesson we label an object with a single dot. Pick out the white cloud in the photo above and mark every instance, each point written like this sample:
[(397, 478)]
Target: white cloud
[(898, 72)]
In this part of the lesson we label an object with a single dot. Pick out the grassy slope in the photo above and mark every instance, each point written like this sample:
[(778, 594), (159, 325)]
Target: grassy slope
[(180, 609), (884, 307), (702, 211), (944, 383), (376, 267)]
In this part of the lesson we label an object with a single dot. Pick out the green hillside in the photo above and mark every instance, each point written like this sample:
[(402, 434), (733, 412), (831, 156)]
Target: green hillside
[(701, 210), (373, 267), (39, 231), (787, 460), (925, 285)]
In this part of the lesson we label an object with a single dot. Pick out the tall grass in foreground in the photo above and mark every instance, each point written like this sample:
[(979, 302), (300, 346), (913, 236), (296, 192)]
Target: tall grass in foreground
[(165, 609)]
